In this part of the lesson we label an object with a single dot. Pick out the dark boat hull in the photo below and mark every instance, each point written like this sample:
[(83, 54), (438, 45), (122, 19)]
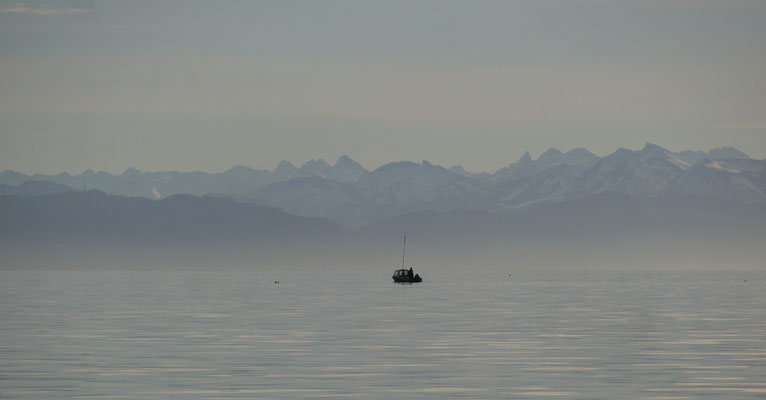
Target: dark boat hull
[(407, 279)]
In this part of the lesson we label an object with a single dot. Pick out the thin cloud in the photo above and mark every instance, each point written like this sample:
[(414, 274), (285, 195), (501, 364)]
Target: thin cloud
[(22, 8), (25, 9), (78, 11)]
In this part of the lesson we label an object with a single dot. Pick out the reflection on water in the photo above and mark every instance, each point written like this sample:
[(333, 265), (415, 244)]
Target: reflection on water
[(230, 335)]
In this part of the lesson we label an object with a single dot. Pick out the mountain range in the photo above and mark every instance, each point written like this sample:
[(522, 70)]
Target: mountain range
[(348, 193), (91, 229), (351, 195), (237, 180), (86, 228)]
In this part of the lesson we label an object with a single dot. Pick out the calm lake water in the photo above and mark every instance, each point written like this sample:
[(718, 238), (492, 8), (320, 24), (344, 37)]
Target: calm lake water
[(237, 335)]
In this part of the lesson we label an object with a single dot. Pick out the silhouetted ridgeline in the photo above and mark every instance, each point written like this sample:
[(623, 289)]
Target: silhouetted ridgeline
[(79, 228), (609, 230)]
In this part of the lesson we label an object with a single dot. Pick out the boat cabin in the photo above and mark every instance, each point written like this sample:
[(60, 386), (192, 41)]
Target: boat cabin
[(401, 273)]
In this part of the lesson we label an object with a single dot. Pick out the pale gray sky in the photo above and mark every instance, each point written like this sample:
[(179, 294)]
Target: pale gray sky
[(184, 85)]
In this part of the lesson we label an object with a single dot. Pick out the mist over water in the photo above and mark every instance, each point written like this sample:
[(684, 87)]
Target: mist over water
[(478, 333)]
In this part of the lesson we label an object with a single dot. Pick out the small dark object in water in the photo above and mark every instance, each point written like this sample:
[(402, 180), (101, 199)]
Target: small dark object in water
[(276, 281), (406, 276)]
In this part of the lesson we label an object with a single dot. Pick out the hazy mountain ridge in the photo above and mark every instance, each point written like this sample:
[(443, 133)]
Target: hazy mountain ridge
[(95, 229), (720, 153), (608, 229), (644, 174), (347, 193), (390, 190), (237, 180), (311, 196), (406, 187), (100, 216), (85, 229), (33, 188), (739, 181), (552, 157)]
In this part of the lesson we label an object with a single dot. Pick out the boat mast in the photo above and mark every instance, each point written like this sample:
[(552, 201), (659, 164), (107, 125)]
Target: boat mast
[(404, 247)]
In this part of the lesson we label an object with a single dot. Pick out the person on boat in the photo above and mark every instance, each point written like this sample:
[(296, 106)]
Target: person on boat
[(411, 274)]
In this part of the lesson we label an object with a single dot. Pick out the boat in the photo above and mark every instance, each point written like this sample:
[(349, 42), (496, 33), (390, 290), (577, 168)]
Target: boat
[(404, 275)]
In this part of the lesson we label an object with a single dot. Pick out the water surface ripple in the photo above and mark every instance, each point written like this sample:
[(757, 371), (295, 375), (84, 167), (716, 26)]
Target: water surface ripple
[(238, 335)]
